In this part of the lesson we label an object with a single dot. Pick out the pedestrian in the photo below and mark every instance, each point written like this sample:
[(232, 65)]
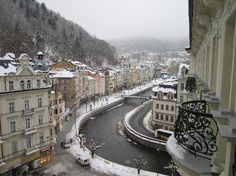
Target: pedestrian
[(71, 140)]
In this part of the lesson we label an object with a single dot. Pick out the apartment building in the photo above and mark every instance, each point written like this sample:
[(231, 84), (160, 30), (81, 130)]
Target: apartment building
[(59, 114), (204, 141), (164, 105), (26, 132)]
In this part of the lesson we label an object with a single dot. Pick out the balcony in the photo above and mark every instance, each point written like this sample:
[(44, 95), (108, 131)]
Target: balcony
[(28, 112), (196, 130), (194, 139), (30, 130)]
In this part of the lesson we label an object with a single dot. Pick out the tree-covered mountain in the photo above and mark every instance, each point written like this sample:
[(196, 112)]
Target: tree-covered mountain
[(27, 26)]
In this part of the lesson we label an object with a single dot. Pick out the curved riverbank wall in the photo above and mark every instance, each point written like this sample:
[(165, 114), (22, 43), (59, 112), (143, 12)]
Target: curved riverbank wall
[(139, 137), (86, 117)]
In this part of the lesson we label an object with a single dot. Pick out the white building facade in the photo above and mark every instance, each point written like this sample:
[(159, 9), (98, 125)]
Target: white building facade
[(164, 106), (27, 135)]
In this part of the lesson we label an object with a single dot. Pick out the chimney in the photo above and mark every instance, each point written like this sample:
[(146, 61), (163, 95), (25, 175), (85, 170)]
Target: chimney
[(40, 55)]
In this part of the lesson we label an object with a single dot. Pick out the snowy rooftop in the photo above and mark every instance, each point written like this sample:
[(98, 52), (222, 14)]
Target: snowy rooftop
[(40, 53), (8, 56), (171, 83), (164, 90), (89, 77), (5, 71), (63, 74), (181, 66)]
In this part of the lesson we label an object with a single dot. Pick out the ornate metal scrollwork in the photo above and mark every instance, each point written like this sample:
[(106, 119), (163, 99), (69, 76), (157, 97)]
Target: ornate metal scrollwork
[(190, 84), (195, 130)]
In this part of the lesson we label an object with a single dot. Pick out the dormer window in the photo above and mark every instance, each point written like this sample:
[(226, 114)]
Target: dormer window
[(11, 85), (28, 84), (22, 85)]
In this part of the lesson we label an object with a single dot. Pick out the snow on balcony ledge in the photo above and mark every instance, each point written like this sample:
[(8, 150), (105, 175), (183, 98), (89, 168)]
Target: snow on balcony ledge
[(197, 164)]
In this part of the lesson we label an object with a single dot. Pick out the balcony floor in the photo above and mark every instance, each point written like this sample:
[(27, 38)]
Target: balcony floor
[(196, 164)]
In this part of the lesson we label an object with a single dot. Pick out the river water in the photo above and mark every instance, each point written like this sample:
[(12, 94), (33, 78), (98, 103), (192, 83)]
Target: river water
[(117, 148)]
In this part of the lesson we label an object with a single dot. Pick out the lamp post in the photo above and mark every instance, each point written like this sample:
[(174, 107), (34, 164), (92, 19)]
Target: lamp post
[(93, 146), (140, 162)]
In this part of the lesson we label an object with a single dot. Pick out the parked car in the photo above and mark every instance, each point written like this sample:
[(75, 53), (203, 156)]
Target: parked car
[(66, 144), (82, 159)]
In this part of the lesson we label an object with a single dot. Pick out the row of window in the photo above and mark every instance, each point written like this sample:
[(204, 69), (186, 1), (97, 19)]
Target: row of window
[(169, 118), (28, 143), (23, 85), (56, 111), (167, 107), (26, 105), (162, 95), (27, 123), (55, 101)]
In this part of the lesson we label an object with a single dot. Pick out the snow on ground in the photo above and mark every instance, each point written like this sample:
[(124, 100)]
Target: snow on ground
[(147, 122), (97, 163), (104, 166), (58, 168)]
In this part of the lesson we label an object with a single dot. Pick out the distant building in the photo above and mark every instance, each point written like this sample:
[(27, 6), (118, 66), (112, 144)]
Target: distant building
[(59, 114), (164, 106), (66, 84)]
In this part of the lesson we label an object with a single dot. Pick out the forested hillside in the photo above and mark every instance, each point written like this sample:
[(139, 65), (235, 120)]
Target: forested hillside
[(28, 26)]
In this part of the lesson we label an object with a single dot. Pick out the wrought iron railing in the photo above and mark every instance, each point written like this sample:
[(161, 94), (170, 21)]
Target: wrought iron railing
[(190, 84), (196, 130)]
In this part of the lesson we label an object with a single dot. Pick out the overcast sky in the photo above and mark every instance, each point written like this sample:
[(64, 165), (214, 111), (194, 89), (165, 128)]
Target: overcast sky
[(112, 19)]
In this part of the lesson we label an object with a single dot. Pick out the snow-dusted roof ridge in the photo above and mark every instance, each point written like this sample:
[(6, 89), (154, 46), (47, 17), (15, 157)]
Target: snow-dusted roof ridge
[(8, 56), (5, 71), (164, 90), (63, 74)]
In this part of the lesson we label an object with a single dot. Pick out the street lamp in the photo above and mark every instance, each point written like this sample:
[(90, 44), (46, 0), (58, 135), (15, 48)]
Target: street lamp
[(93, 146), (140, 162)]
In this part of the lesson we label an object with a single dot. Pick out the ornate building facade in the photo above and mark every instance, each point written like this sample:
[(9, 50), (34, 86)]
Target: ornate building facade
[(26, 132), (204, 139)]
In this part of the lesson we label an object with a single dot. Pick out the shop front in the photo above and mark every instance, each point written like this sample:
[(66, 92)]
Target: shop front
[(46, 156), (30, 163)]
